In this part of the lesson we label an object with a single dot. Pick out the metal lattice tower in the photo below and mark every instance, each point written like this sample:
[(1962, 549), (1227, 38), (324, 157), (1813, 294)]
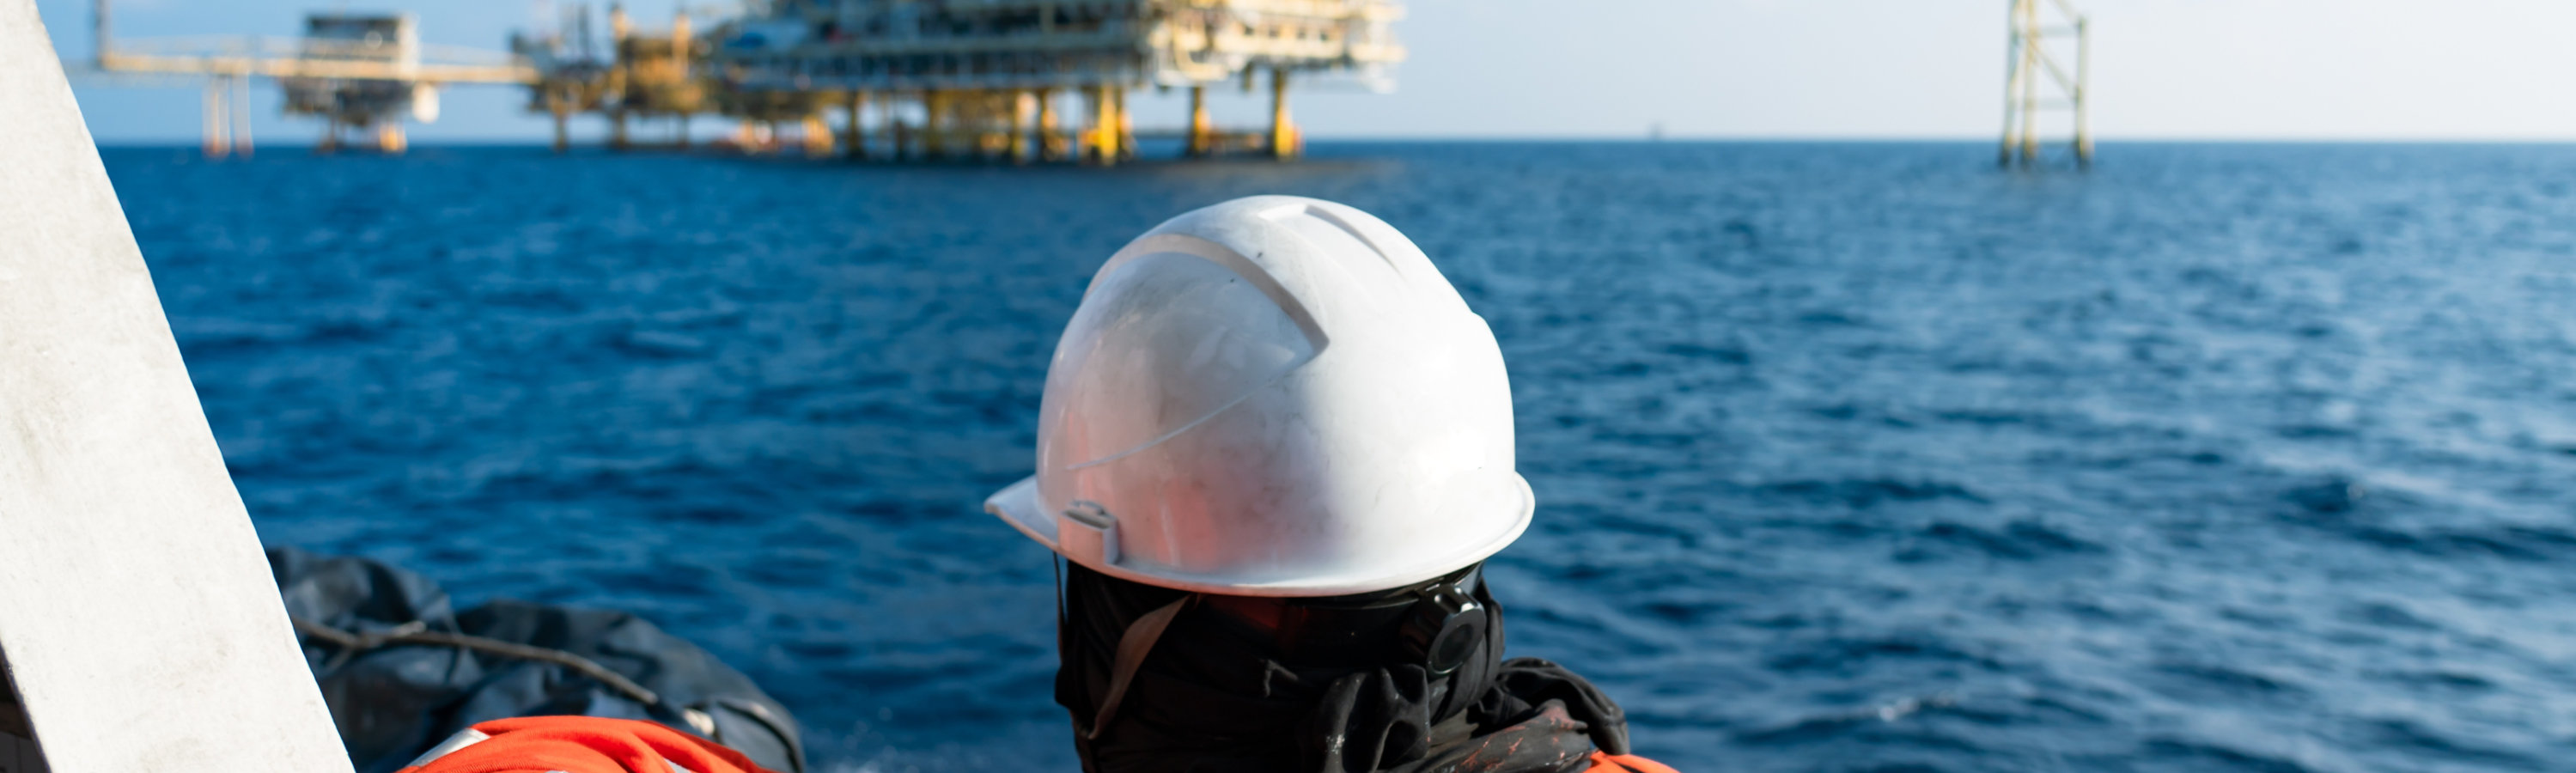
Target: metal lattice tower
[(2029, 64)]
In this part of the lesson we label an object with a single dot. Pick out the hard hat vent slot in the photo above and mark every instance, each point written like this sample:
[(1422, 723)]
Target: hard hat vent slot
[(1335, 235)]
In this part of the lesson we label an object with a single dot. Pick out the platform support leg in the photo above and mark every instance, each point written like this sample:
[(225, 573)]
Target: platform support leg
[(240, 113), (1199, 125), (816, 135), (934, 125), (1024, 119), (1050, 144), (1126, 128), (1285, 143), (562, 110), (216, 124), (1105, 126), (854, 136), (2083, 94)]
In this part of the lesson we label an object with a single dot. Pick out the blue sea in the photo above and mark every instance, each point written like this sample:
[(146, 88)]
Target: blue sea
[(1850, 457)]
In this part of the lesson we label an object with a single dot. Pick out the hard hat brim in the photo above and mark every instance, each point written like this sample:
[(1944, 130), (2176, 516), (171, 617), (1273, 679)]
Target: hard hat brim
[(1019, 506)]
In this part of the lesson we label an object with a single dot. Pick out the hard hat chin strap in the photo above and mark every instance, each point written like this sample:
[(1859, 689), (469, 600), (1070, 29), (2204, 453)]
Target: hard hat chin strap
[(1132, 646)]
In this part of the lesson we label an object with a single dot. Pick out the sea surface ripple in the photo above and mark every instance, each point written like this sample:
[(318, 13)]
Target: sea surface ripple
[(1850, 456)]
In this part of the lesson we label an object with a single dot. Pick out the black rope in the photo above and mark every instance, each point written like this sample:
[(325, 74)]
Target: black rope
[(417, 632)]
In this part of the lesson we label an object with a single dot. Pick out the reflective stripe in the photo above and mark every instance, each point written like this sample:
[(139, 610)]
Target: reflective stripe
[(470, 736), (462, 738)]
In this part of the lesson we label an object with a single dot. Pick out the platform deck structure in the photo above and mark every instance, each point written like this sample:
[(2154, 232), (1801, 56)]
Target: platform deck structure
[(1022, 80), (636, 75), (365, 72)]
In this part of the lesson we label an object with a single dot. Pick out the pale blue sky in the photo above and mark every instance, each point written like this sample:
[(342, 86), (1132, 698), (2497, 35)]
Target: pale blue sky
[(2220, 69)]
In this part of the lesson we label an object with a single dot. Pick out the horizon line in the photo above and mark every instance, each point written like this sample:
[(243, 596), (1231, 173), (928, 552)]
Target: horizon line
[(500, 142)]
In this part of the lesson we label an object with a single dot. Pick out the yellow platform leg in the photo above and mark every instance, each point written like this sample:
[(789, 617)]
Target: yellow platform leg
[(1105, 125), (817, 136), (1199, 124), (1285, 143)]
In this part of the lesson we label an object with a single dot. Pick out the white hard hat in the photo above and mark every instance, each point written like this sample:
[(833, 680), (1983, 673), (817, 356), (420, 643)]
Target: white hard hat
[(1273, 396)]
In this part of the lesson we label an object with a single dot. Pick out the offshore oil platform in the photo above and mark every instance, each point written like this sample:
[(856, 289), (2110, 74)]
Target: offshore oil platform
[(1015, 80), (357, 72)]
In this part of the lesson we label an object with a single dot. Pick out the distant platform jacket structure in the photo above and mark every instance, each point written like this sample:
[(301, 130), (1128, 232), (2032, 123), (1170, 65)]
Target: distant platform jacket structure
[(1018, 80), (359, 72), (2028, 72)]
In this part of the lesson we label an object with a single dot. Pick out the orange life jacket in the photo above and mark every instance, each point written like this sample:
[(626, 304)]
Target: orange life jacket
[(578, 745), (1603, 762), (599, 745)]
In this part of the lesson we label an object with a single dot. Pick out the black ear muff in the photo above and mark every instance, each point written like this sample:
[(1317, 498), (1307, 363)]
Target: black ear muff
[(1443, 628)]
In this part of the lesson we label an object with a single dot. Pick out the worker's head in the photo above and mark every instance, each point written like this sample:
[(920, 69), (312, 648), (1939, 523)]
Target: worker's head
[(1275, 441)]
